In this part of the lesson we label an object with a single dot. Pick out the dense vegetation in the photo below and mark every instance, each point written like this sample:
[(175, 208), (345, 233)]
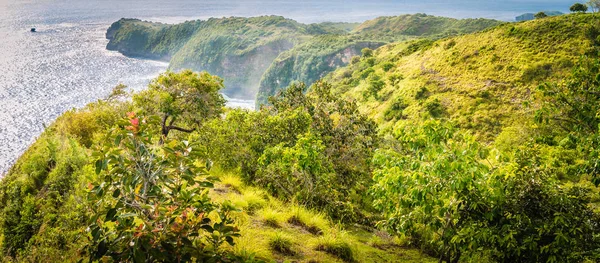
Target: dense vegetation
[(319, 56), (477, 148), (485, 81), (256, 46)]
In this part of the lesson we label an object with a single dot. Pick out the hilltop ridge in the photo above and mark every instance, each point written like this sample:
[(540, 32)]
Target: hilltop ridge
[(486, 81), (248, 52)]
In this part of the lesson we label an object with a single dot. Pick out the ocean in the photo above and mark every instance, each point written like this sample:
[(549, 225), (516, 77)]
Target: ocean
[(65, 64)]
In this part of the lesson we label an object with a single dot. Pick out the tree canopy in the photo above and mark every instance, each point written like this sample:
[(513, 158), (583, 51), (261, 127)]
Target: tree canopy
[(579, 8), (186, 97)]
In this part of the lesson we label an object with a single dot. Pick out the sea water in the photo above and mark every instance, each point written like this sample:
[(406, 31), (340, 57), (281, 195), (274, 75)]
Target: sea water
[(65, 65)]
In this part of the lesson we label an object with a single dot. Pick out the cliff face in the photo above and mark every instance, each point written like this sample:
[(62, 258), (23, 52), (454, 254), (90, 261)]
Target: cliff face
[(136, 38), (262, 55), (310, 62)]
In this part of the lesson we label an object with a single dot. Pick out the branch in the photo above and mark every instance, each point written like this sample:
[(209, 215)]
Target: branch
[(164, 121), (180, 129)]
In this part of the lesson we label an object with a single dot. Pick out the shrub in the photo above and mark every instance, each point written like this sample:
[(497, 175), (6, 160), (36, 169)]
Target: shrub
[(153, 199), (367, 52), (540, 15), (387, 66), (422, 93), (395, 110), (438, 190), (435, 108), (450, 44)]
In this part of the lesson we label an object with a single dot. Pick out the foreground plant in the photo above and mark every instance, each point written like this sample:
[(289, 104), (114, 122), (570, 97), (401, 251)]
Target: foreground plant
[(151, 202)]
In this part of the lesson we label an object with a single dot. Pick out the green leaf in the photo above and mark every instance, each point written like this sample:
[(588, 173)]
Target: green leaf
[(98, 165), (110, 215)]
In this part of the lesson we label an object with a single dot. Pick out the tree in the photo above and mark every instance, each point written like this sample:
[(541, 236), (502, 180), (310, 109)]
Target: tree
[(151, 203), (540, 15), (594, 4), (186, 97), (367, 52), (573, 104), (579, 8)]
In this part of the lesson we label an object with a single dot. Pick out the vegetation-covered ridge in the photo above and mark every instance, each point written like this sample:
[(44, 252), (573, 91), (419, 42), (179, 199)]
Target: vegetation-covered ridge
[(319, 56), (484, 81), (168, 174), (244, 50)]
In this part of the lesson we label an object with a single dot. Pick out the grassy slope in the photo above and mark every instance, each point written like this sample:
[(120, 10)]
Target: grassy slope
[(481, 80), (319, 56), (263, 219), (42, 205), (421, 25)]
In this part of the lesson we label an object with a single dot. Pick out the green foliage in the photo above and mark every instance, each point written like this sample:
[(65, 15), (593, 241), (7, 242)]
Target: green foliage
[(395, 111), (573, 105), (376, 84), (540, 15), (186, 97), (483, 80), (366, 52), (35, 199), (313, 148), (299, 172), (578, 8), (434, 108), (440, 188), (572, 108), (152, 200), (422, 25)]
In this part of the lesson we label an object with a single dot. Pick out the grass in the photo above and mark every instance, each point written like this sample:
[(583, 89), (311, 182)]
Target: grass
[(282, 243), (335, 244), (486, 81), (279, 231)]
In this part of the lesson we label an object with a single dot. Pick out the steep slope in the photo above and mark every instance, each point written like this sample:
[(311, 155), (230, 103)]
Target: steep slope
[(319, 56), (239, 49), (45, 210), (421, 25), (250, 53), (485, 81), (309, 62), (137, 38)]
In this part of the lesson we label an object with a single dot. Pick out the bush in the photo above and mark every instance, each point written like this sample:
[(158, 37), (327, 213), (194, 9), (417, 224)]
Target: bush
[(395, 111), (387, 66), (540, 15), (150, 201), (435, 108), (367, 52), (439, 190), (300, 148)]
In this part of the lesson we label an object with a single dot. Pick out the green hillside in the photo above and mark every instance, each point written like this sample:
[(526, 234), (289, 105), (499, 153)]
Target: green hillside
[(483, 147), (215, 45), (484, 81), (319, 56), (256, 46), (421, 25)]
